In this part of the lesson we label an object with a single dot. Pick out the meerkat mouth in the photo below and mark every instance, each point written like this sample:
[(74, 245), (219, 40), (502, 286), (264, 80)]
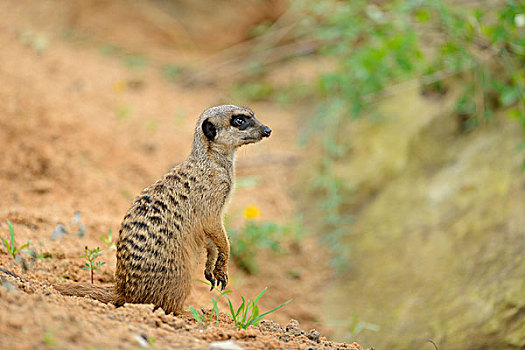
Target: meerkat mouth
[(251, 139)]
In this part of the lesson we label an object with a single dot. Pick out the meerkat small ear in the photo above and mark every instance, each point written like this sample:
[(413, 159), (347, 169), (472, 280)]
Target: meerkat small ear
[(209, 129)]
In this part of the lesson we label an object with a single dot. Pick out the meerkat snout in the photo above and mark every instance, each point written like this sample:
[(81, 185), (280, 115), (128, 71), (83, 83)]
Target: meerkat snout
[(267, 131)]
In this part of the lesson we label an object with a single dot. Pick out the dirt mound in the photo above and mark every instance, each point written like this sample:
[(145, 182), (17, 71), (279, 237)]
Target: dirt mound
[(91, 323)]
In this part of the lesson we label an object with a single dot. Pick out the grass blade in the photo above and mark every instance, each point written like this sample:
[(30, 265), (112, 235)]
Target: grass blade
[(195, 314), (260, 295), (234, 316), (255, 311), (241, 307), (24, 246), (204, 282), (216, 309), (259, 318), (245, 315), (11, 233)]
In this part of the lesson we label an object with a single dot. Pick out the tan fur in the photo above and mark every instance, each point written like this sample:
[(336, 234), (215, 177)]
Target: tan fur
[(177, 216)]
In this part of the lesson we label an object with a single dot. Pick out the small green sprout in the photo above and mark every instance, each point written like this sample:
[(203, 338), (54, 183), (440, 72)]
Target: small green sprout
[(171, 72), (11, 245), (109, 240), (91, 255), (355, 326), (214, 310), (196, 315), (49, 339), (247, 313)]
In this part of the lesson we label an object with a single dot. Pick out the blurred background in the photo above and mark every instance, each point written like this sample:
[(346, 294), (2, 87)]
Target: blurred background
[(389, 201)]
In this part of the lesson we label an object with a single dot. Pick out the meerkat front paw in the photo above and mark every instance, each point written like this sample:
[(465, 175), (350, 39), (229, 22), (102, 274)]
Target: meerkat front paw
[(222, 277), (220, 271)]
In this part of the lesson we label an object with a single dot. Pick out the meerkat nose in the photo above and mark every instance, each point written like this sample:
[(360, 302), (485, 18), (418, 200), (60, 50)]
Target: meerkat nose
[(267, 131)]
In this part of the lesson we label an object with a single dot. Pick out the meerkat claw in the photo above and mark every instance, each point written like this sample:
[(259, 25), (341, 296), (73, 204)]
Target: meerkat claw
[(209, 277), (223, 281)]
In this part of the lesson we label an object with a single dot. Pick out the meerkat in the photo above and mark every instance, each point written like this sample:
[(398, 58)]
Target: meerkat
[(178, 216)]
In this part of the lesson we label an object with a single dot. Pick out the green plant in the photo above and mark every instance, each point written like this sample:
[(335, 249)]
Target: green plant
[(253, 91), (171, 72), (214, 310), (11, 245), (255, 236), (356, 326), (251, 239), (151, 124), (135, 61), (49, 339), (91, 255), (38, 42), (110, 50), (123, 112), (108, 240), (382, 48), (247, 313)]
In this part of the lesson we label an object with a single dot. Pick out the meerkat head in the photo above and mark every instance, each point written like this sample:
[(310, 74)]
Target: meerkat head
[(228, 127)]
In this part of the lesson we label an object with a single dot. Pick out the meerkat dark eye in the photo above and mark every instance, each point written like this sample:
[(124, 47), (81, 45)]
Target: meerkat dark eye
[(238, 120), (241, 121)]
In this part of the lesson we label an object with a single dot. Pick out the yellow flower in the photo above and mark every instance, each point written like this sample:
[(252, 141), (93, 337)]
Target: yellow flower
[(119, 86), (252, 212)]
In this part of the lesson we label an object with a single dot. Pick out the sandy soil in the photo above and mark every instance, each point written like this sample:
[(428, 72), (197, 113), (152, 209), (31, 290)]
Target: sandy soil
[(81, 133)]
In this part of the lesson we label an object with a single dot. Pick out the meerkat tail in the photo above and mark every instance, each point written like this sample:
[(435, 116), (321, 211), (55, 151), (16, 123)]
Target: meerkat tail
[(104, 294)]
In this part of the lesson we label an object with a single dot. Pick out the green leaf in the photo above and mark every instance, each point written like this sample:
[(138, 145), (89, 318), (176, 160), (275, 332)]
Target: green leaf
[(215, 308), (509, 95), (241, 307), (244, 314), (258, 319), (255, 312), (204, 282), (11, 233), (195, 314), (260, 295), (24, 246), (233, 314), (4, 241), (247, 181)]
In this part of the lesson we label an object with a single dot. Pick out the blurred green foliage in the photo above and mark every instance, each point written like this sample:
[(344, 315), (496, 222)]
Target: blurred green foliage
[(171, 72), (379, 46), (254, 237), (253, 91)]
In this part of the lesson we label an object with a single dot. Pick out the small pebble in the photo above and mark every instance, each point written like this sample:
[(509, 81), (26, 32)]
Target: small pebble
[(81, 230), (293, 328), (143, 343), (59, 231), (224, 345), (8, 286), (76, 218), (313, 334)]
